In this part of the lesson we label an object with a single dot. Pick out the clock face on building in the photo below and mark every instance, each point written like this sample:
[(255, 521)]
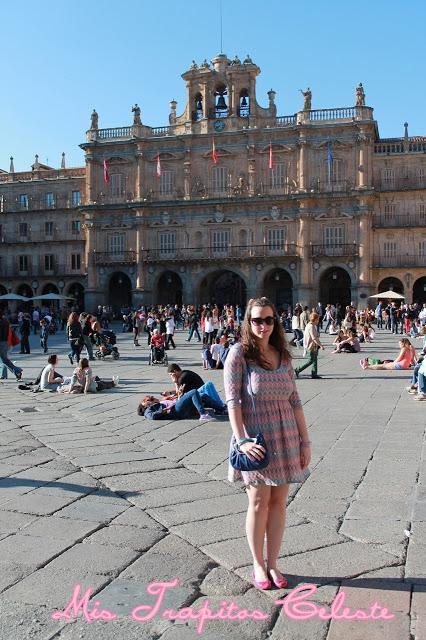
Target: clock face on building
[(219, 125)]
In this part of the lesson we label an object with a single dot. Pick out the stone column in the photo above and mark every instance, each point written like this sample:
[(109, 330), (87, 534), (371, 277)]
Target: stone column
[(251, 175), (361, 158), (187, 175), (139, 254), (364, 248), (302, 177), (89, 179), (138, 189), (303, 291)]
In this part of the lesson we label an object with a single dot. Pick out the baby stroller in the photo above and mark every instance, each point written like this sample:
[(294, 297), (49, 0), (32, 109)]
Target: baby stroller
[(105, 342), (158, 355)]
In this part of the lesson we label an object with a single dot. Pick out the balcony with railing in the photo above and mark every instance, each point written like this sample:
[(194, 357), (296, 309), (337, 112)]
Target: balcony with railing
[(330, 186), (390, 146), (341, 113), (222, 252), (11, 204), (402, 260), (334, 251), (383, 220), (105, 258), (400, 183)]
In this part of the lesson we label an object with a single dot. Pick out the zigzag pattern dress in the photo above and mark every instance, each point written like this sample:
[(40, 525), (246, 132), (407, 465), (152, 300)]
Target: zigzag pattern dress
[(272, 413)]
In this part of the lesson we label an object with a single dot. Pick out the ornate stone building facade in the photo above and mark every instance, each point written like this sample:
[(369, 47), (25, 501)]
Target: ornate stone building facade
[(230, 201)]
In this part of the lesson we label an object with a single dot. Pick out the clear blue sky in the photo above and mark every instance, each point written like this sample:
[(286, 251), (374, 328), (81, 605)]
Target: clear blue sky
[(61, 59)]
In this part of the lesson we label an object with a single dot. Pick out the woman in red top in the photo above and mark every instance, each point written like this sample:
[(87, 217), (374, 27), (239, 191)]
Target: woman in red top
[(157, 344)]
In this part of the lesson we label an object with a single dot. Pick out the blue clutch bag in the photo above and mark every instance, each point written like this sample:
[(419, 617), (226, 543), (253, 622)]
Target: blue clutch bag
[(242, 462)]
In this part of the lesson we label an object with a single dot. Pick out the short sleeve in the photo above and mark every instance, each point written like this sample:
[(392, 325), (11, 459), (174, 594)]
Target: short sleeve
[(234, 368), (294, 399)]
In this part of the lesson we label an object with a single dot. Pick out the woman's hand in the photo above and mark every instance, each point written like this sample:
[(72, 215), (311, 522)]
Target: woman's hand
[(305, 456), (252, 450)]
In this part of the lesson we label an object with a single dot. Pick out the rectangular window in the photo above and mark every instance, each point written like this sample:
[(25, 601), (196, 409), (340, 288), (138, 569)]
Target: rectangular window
[(75, 262), (75, 227), (23, 201), (23, 263), (389, 249), (50, 200), (117, 185), (421, 210), (220, 242), (2, 203), (75, 198), (48, 229), (220, 179), (167, 243), (49, 262), (23, 229), (276, 239), (117, 243), (388, 178), (166, 183), (389, 211), (278, 176), (334, 236)]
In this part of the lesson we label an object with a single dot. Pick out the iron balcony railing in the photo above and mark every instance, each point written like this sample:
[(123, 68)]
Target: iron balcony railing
[(114, 257), (399, 220), (221, 252), (400, 184), (330, 186), (400, 261), (334, 251)]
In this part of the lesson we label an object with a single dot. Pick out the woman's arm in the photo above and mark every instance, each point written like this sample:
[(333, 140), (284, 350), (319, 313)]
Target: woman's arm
[(305, 445), (401, 355)]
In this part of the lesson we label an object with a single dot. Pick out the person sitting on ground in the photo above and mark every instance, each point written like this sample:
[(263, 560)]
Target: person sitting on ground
[(186, 380), (83, 381), (364, 334), (338, 339), (50, 380), (207, 358), (349, 344), (157, 345), (406, 356), (186, 405)]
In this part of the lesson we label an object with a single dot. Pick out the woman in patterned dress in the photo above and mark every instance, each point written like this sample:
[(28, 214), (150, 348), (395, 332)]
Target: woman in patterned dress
[(262, 397)]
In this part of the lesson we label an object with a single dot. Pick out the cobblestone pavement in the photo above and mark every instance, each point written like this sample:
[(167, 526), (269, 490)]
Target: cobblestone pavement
[(91, 494)]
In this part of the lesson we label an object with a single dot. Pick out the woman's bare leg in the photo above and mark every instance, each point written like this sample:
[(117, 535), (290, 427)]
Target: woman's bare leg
[(275, 527), (257, 517)]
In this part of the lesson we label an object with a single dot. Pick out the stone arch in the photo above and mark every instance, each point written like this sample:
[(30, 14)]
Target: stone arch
[(76, 291), (3, 290), (335, 286), (169, 289), (24, 289), (391, 284), (49, 288), (278, 287), (119, 291), (419, 290), (223, 286)]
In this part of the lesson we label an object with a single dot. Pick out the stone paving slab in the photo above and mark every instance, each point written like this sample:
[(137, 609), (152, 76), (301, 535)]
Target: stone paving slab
[(345, 524)]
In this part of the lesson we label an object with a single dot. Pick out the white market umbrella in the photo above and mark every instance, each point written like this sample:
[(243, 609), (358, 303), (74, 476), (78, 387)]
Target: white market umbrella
[(52, 296), (14, 296), (389, 295)]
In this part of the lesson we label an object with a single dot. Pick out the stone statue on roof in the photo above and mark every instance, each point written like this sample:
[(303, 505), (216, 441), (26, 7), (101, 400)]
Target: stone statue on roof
[(94, 119), (136, 110), (307, 96), (360, 95)]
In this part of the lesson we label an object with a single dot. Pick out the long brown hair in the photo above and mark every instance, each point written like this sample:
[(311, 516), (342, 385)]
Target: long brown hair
[(277, 338)]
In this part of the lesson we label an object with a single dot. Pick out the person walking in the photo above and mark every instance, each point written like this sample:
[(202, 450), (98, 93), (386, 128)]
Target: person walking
[(193, 327), (4, 346), (170, 330), (25, 331), (75, 337), (87, 332), (311, 344), (35, 318), (261, 396)]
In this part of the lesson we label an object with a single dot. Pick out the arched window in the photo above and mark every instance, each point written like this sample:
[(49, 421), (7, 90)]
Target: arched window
[(221, 107), (244, 105), (198, 112)]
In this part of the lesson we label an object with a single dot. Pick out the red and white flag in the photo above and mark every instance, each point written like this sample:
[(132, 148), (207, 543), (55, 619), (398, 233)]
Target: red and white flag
[(158, 167), (271, 159), (106, 171), (214, 154)]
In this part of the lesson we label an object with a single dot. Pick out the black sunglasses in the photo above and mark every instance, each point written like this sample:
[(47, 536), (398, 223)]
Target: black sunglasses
[(269, 320)]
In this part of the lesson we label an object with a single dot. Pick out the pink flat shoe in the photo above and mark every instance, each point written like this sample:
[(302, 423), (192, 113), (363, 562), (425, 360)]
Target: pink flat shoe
[(261, 584), (279, 583)]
